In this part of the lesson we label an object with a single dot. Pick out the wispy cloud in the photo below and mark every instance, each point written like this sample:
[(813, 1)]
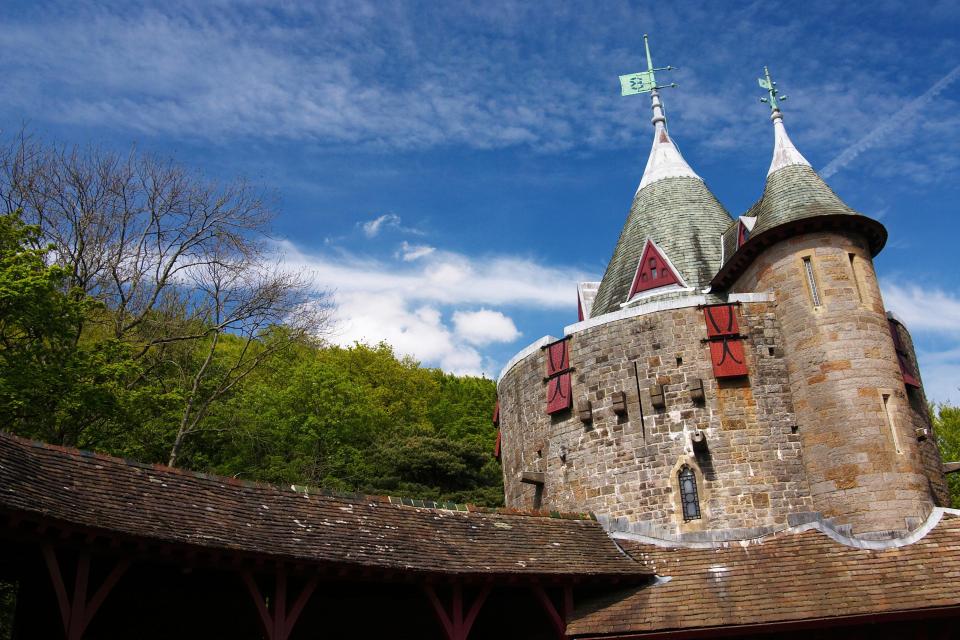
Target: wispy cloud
[(410, 252), (889, 125), (933, 315), (371, 228), (440, 308)]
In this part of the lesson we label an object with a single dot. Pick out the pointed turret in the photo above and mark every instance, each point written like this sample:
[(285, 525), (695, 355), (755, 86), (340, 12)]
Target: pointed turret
[(673, 224), (795, 198)]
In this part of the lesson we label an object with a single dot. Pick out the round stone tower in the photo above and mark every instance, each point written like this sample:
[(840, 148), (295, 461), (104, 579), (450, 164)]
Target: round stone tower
[(863, 459)]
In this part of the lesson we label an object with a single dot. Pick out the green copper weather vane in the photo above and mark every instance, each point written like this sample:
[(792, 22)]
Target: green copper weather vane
[(771, 87), (644, 81)]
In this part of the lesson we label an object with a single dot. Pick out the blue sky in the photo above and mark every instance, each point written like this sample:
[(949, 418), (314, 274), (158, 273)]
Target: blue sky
[(451, 170)]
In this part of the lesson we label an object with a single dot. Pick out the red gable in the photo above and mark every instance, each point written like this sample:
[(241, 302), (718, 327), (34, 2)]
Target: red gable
[(653, 271)]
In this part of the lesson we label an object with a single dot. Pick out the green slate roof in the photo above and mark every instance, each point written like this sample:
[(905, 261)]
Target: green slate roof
[(684, 219), (792, 193), (795, 199)]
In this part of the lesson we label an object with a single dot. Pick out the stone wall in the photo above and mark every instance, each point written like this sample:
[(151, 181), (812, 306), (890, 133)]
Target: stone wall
[(864, 463), (920, 414), (626, 466)]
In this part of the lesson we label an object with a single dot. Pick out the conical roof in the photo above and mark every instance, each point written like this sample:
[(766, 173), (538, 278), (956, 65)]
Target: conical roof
[(795, 198), (673, 208)]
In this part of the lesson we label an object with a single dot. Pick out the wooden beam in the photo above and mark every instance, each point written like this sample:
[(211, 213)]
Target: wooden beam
[(559, 624), (455, 625), (532, 477), (77, 612), (278, 624)]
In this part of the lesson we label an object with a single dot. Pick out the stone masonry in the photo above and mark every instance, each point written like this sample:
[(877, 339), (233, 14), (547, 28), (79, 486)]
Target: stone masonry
[(751, 474), (863, 461)]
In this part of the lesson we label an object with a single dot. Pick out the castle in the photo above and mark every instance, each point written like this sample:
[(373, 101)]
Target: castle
[(728, 376), (732, 441)]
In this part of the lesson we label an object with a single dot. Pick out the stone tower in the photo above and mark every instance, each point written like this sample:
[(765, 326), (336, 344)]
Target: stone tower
[(727, 378), (854, 395)]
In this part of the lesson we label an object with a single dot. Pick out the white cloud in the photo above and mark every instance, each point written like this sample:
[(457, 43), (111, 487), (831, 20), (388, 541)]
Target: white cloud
[(410, 252), (933, 319), (426, 308), (372, 227), (925, 310), (484, 327)]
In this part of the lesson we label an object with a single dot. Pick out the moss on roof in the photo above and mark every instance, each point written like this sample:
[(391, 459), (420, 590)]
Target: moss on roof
[(793, 193)]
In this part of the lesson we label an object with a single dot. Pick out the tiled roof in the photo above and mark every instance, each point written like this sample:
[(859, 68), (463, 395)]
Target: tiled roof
[(795, 199), (685, 220), (789, 577), (71, 488)]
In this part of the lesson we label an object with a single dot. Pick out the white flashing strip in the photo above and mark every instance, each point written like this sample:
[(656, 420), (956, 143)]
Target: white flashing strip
[(665, 160), (872, 545), (784, 153), (523, 353), (641, 309), (640, 296), (662, 305)]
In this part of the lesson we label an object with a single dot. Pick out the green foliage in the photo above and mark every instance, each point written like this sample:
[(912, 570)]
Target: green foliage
[(54, 386), (946, 425)]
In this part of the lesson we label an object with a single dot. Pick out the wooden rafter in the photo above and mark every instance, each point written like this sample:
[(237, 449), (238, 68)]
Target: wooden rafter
[(76, 611), (278, 623)]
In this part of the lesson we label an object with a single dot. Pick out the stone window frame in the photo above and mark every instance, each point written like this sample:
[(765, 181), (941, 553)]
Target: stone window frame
[(809, 273), (703, 493)]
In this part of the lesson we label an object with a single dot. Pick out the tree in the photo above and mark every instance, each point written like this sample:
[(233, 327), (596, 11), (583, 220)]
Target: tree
[(177, 261), (946, 425), (52, 387)]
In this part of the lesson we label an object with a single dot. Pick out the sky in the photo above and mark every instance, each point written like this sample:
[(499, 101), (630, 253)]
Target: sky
[(449, 171)]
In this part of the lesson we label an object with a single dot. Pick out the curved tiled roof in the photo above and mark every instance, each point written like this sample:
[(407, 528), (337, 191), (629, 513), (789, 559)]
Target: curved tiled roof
[(795, 199), (68, 488), (686, 221), (788, 578)]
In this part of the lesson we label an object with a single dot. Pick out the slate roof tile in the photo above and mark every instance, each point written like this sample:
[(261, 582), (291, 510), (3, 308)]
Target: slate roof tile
[(685, 220), (122, 497), (788, 577)]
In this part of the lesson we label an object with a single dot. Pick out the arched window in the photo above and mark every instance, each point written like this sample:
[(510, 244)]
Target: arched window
[(688, 493)]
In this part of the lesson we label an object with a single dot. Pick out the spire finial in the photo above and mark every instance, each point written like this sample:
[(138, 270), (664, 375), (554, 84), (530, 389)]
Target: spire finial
[(772, 93), (646, 82)]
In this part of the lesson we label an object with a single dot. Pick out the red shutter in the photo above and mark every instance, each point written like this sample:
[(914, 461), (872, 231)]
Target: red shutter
[(558, 359), (721, 320), (743, 234), (653, 272), (727, 358), (908, 378), (496, 413), (558, 393), (496, 446)]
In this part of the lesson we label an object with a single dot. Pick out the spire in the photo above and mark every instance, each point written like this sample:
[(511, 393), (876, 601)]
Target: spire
[(668, 244), (784, 152), (665, 160)]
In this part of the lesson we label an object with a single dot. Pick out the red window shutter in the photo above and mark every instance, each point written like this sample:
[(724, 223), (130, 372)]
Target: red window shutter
[(653, 272), (558, 359), (496, 413), (558, 393), (743, 234), (728, 358), (908, 378), (496, 446), (897, 342), (721, 320)]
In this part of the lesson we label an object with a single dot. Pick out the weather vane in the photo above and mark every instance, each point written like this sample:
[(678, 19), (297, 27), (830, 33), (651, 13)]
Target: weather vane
[(644, 81), (771, 87)]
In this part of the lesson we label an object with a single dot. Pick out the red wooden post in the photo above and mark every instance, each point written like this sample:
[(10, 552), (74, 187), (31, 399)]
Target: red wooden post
[(455, 625), (559, 624), (77, 612), (278, 624)]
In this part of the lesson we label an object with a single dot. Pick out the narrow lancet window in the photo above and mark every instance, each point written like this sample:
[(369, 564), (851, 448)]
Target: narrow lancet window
[(856, 280), (811, 281), (688, 493)]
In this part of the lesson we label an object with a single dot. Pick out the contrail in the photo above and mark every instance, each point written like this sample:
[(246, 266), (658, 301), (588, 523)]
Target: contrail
[(888, 125)]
